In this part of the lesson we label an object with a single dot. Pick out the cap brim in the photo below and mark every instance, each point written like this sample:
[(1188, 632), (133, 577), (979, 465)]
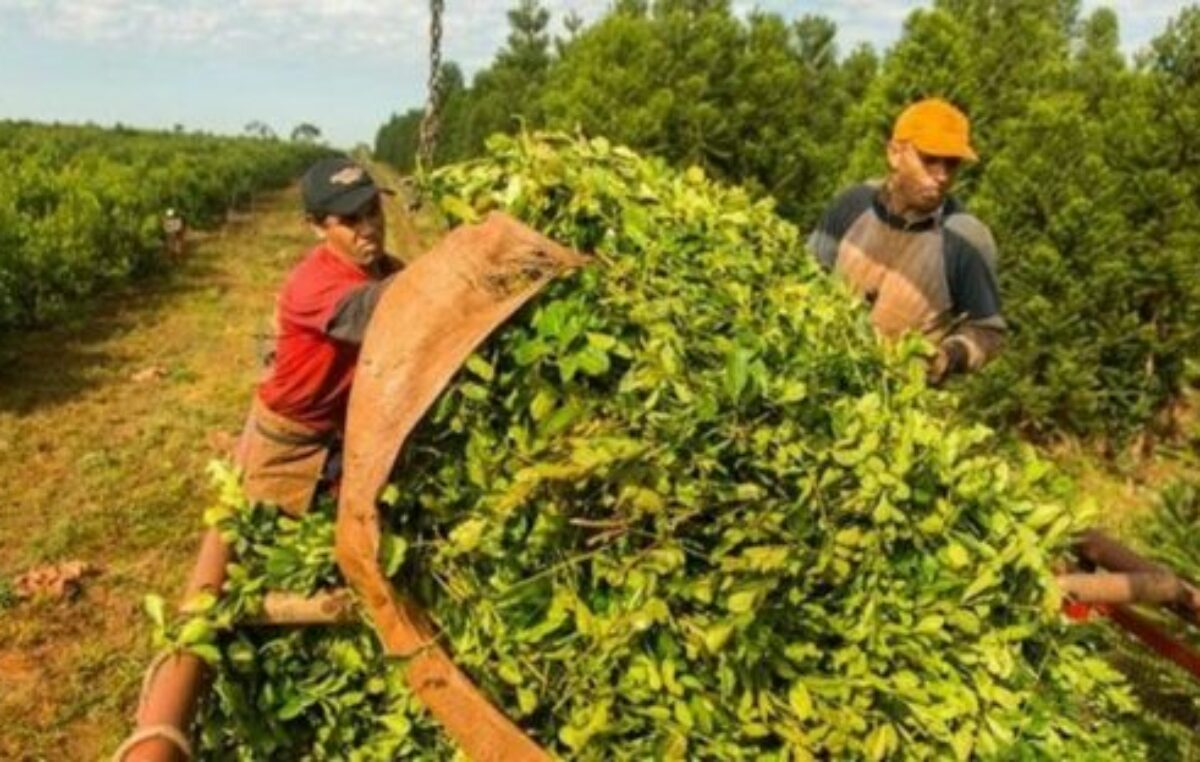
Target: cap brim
[(966, 153), (352, 200)]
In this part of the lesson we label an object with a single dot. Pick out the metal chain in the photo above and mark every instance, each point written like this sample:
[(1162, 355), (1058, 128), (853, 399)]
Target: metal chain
[(431, 122)]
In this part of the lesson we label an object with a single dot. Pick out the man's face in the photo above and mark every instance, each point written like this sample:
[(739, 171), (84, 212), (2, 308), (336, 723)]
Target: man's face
[(920, 181), (358, 237)]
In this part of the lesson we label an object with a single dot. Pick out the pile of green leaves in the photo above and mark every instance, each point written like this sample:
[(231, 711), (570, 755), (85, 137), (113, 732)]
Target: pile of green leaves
[(302, 694), (683, 505)]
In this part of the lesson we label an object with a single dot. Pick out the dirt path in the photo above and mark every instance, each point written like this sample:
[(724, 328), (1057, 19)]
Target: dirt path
[(106, 425)]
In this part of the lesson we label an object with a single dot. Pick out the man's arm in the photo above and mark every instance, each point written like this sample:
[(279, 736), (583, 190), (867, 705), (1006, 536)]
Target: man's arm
[(349, 320), (825, 239), (975, 296), (967, 349)]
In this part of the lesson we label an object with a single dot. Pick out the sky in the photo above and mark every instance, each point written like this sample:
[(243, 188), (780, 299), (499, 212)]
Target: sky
[(343, 65)]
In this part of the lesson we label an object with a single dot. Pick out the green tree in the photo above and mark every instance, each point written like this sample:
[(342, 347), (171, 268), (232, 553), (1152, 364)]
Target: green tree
[(759, 101), (1173, 64), (607, 67), (1054, 204), (1099, 53), (508, 90), (816, 42), (398, 139), (306, 133), (789, 107), (255, 128)]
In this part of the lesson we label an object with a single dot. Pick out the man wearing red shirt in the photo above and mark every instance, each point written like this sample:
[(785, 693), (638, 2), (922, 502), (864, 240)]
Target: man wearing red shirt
[(321, 314)]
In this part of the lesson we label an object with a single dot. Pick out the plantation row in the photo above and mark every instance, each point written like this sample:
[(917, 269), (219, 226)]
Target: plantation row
[(83, 206)]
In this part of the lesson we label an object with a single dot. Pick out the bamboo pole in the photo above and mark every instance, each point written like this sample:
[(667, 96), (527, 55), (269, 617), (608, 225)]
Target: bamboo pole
[(1160, 642), (1099, 549), (327, 607), (175, 681), (1124, 587)]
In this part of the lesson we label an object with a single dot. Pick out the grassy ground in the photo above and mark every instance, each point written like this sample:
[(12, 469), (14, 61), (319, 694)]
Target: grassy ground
[(1126, 488), (106, 425), (103, 468)]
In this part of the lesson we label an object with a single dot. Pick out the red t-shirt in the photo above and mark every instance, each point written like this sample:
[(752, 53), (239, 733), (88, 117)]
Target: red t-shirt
[(309, 381)]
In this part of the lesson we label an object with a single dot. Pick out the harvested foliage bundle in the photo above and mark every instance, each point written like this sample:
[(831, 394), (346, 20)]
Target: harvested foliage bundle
[(684, 506)]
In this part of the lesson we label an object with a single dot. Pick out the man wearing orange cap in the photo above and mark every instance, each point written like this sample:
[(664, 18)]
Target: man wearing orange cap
[(912, 252)]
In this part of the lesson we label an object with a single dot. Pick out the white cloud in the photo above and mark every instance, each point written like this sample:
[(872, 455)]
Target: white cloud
[(1141, 20), (351, 25), (472, 30), (398, 28)]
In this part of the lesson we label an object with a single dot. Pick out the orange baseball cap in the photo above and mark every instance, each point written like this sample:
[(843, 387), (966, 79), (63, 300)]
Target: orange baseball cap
[(936, 128)]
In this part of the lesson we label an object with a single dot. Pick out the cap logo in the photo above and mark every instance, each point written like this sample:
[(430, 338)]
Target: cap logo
[(347, 176)]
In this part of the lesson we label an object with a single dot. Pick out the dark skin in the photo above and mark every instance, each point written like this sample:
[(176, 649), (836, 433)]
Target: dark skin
[(917, 182), (357, 238)]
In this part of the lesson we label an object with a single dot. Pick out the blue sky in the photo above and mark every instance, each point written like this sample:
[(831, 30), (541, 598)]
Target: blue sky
[(343, 65)]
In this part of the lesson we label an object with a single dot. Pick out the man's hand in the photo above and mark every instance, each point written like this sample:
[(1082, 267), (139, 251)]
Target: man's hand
[(951, 358)]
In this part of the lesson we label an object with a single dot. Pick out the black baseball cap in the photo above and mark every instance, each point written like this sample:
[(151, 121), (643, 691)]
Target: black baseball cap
[(337, 185)]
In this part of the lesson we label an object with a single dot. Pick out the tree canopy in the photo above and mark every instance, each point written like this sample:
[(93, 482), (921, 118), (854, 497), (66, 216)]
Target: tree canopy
[(1088, 173)]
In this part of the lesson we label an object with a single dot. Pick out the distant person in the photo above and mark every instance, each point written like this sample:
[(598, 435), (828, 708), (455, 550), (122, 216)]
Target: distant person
[(292, 437), (174, 234), (912, 251)]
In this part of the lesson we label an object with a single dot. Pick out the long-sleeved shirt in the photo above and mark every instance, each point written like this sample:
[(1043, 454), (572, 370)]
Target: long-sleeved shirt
[(936, 274)]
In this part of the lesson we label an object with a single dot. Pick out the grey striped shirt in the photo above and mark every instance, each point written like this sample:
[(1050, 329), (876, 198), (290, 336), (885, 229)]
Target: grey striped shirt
[(936, 275)]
